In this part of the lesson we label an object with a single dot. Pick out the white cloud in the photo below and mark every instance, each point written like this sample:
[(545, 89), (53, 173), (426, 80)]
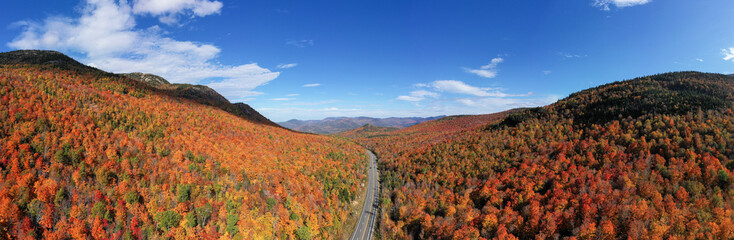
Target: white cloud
[(493, 104), (455, 87), (570, 55), (486, 71), (282, 99), (699, 59), (289, 65), (459, 87), (168, 11), (312, 85), (604, 4), (300, 43), (418, 95), (462, 98), (546, 72), (728, 53), (292, 95), (107, 37), (313, 103)]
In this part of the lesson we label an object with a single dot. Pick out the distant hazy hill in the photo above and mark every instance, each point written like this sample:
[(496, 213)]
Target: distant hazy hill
[(341, 124)]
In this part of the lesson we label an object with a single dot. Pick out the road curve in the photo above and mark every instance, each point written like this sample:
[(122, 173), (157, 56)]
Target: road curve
[(366, 222)]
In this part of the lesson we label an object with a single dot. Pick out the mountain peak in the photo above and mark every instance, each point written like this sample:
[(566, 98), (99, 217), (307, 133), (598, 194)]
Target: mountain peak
[(45, 58), (148, 78)]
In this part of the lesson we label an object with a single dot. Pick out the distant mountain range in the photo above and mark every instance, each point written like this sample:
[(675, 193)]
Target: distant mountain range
[(341, 124)]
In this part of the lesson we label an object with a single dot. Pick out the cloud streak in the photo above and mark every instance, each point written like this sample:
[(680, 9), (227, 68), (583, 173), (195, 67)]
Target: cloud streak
[(312, 85), (105, 34), (570, 55), (486, 71), (604, 4), (462, 98), (300, 43), (418, 95), (459, 87), (168, 11), (454, 87), (286, 66), (282, 99)]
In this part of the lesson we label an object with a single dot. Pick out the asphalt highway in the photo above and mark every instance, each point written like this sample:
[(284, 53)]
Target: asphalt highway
[(366, 223)]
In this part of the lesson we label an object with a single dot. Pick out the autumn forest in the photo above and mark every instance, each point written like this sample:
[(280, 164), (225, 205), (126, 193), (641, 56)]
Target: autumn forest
[(648, 158), (86, 154), (91, 155)]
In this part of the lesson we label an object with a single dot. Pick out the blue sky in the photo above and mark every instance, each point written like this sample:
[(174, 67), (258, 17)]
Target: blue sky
[(316, 59)]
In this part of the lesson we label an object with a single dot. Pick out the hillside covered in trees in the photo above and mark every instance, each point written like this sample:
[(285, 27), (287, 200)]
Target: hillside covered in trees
[(368, 130), (86, 154), (648, 158)]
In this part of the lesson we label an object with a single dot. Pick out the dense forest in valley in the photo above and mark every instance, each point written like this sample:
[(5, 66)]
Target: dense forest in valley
[(368, 130), (86, 154), (648, 158)]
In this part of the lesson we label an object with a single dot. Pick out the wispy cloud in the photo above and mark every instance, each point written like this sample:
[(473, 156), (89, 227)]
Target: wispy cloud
[(107, 37), (168, 12), (699, 59), (454, 87), (418, 95), (289, 65), (728, 53), (292, 95), (459, 87), (316, 103), (312, 85), (500, 104), (486, 71), (546, 72), (571, 55), (452, 97), (300, 43), (604, 4), (282, 99)]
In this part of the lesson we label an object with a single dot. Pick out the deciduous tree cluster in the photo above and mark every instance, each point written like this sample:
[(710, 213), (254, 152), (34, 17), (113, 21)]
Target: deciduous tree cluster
[(88, 155), (648, 158)]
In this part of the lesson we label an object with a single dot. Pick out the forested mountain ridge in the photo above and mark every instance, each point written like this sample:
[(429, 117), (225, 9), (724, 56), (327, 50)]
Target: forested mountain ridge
[(647, 158), (669, 93), (89, 154), (201, 94)]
